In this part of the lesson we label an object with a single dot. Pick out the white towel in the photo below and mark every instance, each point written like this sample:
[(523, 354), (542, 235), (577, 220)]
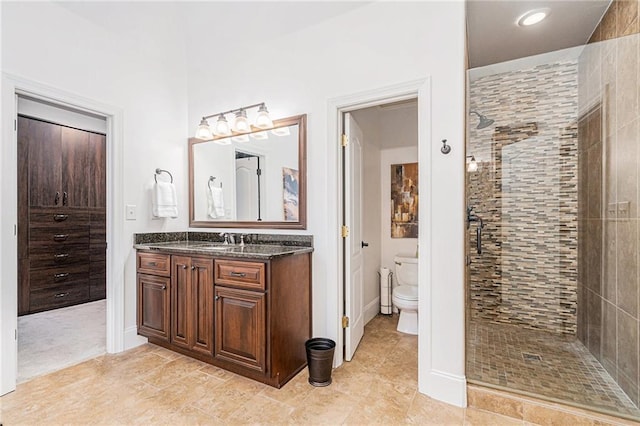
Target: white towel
[(216, 202), (165, 203)]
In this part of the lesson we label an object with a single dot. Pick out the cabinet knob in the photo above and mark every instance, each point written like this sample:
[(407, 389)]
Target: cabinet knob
[(65, 198), (56, 199), (164, 287), (59, 295), (152, 263), (60, 217), (183, 266), (60, 237), (237, 274), (217, 297), (60, 256), (61, 276), (193, 268)]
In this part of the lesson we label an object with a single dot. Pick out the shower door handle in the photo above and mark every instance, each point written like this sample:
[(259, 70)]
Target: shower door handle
[(479, 235)]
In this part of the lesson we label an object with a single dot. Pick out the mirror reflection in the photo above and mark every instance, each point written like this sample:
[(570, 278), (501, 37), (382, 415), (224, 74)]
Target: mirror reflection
[(252, 180)]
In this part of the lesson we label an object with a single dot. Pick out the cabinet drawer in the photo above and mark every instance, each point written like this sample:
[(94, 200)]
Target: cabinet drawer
[(52, 237), (59, 296), (250, 275), (60, 217), (53, 277), (60, 257), (154, 264)]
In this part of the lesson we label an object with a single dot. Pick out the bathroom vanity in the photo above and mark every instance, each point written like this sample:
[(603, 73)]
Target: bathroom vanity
[(246, 309)]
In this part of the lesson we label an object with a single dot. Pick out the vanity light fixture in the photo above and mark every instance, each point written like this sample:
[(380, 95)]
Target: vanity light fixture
[(473, 164), (240, 122), (532, 17)]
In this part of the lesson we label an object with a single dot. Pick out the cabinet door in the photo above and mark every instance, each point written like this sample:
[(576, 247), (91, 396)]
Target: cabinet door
[(76, 177), (181, 306), (202, 292), (240, 327), (44, 142), (153, 306), (98, 170)]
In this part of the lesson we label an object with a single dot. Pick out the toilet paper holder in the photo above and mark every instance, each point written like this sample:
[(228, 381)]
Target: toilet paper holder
[(386, 304)]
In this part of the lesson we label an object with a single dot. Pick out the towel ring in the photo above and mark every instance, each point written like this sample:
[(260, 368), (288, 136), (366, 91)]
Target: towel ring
[(212, 179), (158, 171)]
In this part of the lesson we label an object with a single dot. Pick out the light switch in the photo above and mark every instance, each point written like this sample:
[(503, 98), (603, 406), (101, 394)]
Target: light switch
[(130, 212)]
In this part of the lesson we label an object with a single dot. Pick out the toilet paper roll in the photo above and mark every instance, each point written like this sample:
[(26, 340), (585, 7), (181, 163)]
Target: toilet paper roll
[(385, 291)]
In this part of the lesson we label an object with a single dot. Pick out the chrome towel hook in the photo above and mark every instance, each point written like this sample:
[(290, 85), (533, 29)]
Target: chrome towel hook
[(158, 171)]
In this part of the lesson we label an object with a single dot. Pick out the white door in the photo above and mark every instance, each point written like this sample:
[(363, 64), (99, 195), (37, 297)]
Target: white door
[(353, 258), (247, 188)]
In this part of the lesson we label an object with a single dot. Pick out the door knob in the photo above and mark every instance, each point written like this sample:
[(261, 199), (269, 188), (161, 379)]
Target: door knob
[(364, 244)]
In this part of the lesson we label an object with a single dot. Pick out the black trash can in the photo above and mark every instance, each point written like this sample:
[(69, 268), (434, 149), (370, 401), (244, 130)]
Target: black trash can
[(320, 360)]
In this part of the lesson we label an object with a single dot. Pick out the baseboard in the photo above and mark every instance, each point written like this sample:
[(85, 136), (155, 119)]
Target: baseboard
[(131, 338), (371, 310), (445, 387)]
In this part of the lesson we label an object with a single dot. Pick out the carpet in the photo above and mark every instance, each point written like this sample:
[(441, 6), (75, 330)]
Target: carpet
[(52, 340)]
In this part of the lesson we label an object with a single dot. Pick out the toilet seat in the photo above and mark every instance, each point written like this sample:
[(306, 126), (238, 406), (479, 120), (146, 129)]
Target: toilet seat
[(406, 292)]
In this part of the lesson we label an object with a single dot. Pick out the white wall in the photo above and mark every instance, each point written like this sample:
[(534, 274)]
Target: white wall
[(373, 46), (49, 44)]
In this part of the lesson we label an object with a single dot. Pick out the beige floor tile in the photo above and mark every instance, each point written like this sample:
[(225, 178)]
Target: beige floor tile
[(427, 411), (474, 417), (293, 393), (261, 410), (324, 406)]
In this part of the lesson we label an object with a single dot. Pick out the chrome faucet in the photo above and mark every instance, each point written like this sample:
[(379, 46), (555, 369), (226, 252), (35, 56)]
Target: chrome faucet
[(228, 238)]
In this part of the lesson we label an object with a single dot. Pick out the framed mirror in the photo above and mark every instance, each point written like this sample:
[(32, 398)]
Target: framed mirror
[(250, 180)]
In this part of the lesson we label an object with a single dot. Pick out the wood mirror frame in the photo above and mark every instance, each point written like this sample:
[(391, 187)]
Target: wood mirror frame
[(301, 223)]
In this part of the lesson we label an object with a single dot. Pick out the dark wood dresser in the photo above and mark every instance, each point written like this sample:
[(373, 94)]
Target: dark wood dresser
[(61, 216)]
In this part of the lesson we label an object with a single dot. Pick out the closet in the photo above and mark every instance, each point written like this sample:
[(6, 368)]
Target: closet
[(61, 215)]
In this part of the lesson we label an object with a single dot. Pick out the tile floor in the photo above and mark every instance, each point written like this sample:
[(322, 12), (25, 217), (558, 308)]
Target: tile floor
[(541, 363), (151, 385)]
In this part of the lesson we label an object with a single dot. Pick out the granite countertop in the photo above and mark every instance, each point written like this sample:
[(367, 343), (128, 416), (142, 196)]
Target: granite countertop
[(249, 251)]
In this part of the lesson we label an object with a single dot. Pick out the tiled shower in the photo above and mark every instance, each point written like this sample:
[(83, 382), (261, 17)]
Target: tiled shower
[(553, 295)]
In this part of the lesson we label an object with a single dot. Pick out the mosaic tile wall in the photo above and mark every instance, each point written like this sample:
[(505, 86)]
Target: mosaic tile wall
[(609, 219), (525, 190)]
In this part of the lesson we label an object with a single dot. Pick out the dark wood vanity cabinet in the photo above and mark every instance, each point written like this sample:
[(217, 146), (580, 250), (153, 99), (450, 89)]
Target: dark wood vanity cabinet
[(240, 324), (192, 303), (248, 316), (61, 216)]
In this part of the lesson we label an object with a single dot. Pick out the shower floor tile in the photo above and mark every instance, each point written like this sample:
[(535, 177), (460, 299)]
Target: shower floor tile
[(541, 363)]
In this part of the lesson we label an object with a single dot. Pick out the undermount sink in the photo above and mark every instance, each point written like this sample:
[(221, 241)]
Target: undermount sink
[(216, 247)]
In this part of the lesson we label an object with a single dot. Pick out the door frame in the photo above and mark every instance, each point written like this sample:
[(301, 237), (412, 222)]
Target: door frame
[(12, 86), (420, 89)]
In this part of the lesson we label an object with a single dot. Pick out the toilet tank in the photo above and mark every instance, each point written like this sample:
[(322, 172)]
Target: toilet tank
[(406, 269)]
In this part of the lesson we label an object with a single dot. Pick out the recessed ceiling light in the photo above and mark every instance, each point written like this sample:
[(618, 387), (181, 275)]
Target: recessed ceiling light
[(532, 17)]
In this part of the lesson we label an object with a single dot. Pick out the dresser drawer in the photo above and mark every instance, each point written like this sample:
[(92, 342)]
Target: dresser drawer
[(154, 264), (53, 277), (57, 297), (51, 237), (61, 257), (61, 217), (249, 275)]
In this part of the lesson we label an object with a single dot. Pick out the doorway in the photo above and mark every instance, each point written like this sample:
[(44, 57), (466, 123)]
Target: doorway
[(61, 237), (378, 140), (12, 87)]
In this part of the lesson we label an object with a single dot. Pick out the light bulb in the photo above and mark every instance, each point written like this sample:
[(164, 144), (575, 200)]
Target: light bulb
[(222, 127), (532, 17), (263, 121), (241, 124), (203, 131)]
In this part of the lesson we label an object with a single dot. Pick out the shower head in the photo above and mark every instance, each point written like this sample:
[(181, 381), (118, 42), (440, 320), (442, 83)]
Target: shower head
[(484, 121)]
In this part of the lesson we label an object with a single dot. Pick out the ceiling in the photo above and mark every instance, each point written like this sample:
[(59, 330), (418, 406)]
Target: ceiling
[(494, 36)]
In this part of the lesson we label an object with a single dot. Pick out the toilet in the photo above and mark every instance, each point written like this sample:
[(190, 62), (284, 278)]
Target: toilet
[(405, 294)]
